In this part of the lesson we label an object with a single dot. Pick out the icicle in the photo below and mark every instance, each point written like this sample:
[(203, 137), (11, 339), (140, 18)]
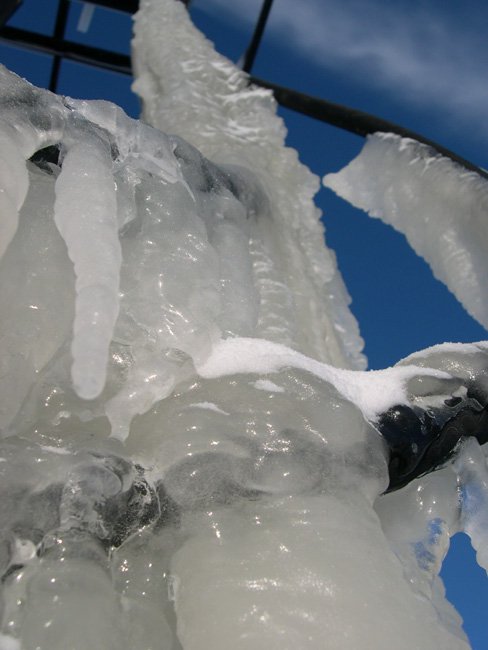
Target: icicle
[(86, 216), (473, 476)]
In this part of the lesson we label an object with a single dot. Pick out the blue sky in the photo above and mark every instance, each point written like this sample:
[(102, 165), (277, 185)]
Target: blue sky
[(421, 64)]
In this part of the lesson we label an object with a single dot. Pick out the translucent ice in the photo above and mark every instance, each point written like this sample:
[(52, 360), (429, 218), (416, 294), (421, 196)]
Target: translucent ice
[(473, 477), (169, 251)]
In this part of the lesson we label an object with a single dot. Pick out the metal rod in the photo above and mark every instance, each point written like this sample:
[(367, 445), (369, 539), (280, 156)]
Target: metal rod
[(252, 50), (355, 121), (58, 37), (343, 117), (67, 49), (7, 10), (127, 6)]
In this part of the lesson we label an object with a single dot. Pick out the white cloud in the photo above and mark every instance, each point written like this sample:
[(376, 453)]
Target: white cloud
[(424, 53)]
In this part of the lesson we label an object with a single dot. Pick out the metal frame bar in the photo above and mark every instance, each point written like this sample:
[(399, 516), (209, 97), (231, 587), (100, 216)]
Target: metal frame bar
[(127, 6), (7, 10), (252, 50), (355, 121), (58, 37), (67, 49)]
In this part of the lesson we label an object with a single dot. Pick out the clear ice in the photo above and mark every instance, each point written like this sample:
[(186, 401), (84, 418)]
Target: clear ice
[(192, 454)]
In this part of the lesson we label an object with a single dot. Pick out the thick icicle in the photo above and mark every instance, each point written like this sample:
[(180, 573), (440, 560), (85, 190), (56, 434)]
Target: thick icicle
[(471, 468), (441, 208), (418, 522), (85, 212)]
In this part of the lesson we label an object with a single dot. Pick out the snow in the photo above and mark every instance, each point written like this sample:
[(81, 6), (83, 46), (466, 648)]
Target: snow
[(191, 450), (439, 206), (373, 392)]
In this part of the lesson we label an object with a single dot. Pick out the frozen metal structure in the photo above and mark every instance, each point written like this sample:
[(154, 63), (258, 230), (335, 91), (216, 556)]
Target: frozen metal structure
[(192, 454)]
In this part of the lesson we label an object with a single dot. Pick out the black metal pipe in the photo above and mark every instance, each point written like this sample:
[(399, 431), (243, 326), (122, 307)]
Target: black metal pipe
[(354, 121), (252, 50), (58, 38), (127, 6), (7, 10), (67, 49)]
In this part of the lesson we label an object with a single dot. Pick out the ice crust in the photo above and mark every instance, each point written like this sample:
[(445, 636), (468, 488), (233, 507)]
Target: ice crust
[(187, 88), (439, 206), (170, 251), (191, 455)]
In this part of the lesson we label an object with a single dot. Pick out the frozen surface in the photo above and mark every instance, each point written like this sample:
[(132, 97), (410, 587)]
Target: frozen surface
[(189, 89), (439, 206), (192, 457), (169, 252)]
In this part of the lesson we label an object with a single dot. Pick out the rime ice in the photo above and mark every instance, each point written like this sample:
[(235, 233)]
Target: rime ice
[(440, 207), (192, 456)]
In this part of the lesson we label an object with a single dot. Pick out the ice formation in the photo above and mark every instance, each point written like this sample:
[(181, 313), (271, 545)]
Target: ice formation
[(440, 207), (192, 456)]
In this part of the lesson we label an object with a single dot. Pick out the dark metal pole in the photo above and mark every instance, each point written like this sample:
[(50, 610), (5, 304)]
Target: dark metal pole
[(252, 50), (355, 121), (7, 10), (67, 50), (58, 37), (126, 6)]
